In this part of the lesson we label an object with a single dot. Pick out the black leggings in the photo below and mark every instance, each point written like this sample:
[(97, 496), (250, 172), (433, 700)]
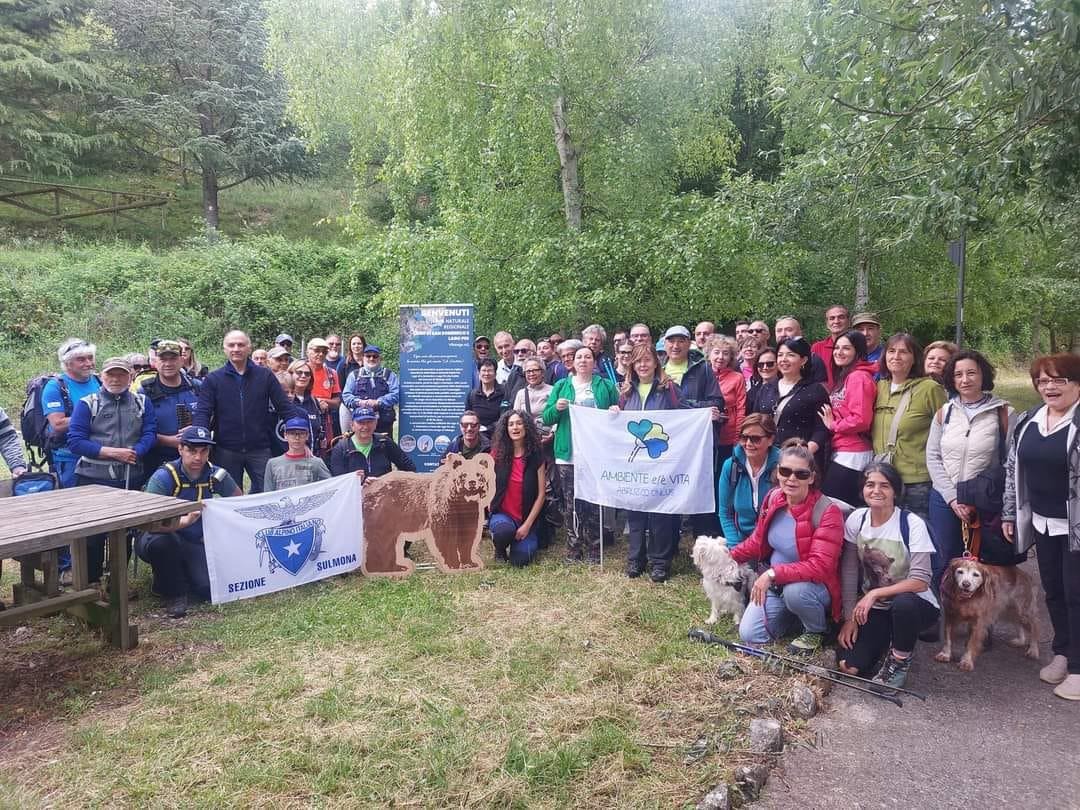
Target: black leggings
[(897, 626)]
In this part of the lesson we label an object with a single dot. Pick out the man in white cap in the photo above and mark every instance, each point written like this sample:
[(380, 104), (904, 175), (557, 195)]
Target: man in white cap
[(58, 399)]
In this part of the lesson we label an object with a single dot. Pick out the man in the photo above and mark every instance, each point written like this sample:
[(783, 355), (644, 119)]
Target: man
[(837, 321), (504, 347), (789, 327), (110, 432), (366, 454), (296, 466), (556, 338), (619, 338), (702, 332), (374, 387), (243, 402), (177, 557), (640, 333), (742, 329), (515, 381), (699, 389), (759, 330), (869, 324), (173, 394), (285, 341), (545, 351), (278, 359), (594, 337), (334, 358), (58, 399), (470, 441), (325, 390)]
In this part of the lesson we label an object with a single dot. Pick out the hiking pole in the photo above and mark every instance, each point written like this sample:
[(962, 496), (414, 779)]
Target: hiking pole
[(799, 666), (813, 669)]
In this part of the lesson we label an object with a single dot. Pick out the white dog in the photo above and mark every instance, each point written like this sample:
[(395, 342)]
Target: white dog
[(721, 577)]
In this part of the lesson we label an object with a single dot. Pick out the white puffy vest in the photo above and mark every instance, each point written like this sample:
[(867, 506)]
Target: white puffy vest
[(969, 447)]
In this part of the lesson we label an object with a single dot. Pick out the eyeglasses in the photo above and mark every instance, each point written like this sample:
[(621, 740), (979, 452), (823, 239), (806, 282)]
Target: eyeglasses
[(521, 351), (1042, 382), (767, 364), (752, 438), (533, 370), (301, 373), (788, 472), (335, 345)]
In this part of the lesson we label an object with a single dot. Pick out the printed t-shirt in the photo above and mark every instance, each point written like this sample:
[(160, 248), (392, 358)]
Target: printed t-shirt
[(883, 558)]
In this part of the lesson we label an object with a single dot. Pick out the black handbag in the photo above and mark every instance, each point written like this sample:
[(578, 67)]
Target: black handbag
[(992, 547)]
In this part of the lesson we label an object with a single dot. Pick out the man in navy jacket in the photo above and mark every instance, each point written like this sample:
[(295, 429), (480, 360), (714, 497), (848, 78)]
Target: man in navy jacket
[(242, 402)]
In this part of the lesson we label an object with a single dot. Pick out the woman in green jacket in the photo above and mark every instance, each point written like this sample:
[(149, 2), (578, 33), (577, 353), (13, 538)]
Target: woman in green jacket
[(906, 403), (584, 389)]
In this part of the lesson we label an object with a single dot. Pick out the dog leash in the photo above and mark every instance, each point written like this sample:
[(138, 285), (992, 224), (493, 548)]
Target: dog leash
[(972, 538)]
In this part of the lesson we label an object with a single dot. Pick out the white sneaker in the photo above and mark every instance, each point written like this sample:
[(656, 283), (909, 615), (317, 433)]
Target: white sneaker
[(1055, 671), (1069, 688)]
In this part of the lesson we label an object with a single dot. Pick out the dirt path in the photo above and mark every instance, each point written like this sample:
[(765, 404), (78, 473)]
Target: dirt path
[(996, 737)]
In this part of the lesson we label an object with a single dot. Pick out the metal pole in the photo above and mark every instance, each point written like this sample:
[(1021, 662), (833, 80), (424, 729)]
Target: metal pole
[(958, 255)]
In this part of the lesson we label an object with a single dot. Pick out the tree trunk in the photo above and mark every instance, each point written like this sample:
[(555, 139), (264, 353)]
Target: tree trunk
[(862, 272), (568, 165), (1035, 330), (210, 198)]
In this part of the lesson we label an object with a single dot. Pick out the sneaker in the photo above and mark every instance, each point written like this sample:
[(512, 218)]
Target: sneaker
[(806, 644), (573, 558), (659, 574), (501, 555), (1055, 671), (893, 672), (1069, 688), (634, 571), (177, 608)]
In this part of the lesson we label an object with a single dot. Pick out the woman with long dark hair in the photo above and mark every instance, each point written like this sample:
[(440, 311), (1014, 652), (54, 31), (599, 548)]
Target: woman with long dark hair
[(520, 477), (794, 401), (848, 416), (351, 362), (763, 365)]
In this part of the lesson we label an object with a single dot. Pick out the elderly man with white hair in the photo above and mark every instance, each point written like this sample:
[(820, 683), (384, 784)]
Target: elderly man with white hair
[(594, 336), (58, 398)]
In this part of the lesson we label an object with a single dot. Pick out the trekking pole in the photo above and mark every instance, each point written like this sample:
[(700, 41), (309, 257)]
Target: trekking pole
[(799, 666)]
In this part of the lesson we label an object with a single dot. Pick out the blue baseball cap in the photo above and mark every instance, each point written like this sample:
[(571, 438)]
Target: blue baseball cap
[(371, 348), (297, 423), (660, 347), (196, 435), (363, 414)]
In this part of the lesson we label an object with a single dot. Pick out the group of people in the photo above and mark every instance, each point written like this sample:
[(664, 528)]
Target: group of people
[(844, 468)]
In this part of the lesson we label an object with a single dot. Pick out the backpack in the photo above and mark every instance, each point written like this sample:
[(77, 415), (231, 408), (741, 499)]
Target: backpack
[(905, 527), (34, 425), (32, 482)]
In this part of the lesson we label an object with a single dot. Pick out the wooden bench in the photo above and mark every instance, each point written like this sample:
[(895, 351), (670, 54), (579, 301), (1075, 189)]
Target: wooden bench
[(34, 527)]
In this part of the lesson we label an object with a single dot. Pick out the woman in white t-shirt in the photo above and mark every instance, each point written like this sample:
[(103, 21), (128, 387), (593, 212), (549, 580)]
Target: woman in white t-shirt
[(887, 559)]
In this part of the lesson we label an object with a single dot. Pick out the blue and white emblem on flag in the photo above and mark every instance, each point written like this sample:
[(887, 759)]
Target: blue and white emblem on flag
[(291, 545)]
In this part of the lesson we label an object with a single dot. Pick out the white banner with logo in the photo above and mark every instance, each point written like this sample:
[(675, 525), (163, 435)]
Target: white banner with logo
[(258, 544), (648, 461)]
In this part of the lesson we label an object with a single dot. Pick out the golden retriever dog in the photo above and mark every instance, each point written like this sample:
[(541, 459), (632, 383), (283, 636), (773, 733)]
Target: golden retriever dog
[(977, 594)]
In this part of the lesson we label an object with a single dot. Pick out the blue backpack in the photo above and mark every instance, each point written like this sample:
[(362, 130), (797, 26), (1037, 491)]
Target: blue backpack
[(33, 482)]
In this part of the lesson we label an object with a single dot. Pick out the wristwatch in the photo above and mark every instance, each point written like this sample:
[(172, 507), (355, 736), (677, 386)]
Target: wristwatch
[(771, 574)]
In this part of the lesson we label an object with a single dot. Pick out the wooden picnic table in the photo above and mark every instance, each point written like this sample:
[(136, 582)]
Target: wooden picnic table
[(34, 527)]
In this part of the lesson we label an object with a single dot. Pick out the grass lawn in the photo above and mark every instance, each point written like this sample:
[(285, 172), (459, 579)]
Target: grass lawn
[(549, 687)]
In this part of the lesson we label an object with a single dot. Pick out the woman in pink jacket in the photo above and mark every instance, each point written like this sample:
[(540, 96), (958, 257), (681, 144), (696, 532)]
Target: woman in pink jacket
[(849, 416)]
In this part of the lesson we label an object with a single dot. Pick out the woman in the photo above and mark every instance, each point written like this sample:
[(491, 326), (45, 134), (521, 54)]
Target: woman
[(936, 355), (848, 417), (723, 358), (747, 477), (534, 396), (794, 401), (967, 437), (1042, 506), (584, 389), (648, 388), (764, 371), (488, 399), (352, 361), (748, 352), (905, 405), (520, 479), (189, 362), (301, 395), (800, 542), (886, 559), (622, 361)]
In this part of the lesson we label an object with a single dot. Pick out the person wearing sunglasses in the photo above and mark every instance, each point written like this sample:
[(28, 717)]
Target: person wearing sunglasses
[(470, 441), (1042, 506), (747, 477), (516, 382), (800, 539), (795, 400), (303, 377), (763, 369)]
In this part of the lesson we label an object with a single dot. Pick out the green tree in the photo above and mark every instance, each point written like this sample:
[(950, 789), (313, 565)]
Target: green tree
[(41, 78), (198, 91)]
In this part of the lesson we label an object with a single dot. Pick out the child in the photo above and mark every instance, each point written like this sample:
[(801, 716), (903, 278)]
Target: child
[(298, 466)]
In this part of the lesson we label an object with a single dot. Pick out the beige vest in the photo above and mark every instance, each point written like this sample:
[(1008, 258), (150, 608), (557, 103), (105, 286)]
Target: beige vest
[(968, 447)]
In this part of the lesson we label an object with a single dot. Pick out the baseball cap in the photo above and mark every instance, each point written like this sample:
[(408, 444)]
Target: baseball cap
[(677, 331), (116, 362), (660, 347), (278, 351), (297, 423), (371, 348), (865, 317), (283, 338), (317, 343), (169, 347), (481, 337), (362, 414), (195, 435)]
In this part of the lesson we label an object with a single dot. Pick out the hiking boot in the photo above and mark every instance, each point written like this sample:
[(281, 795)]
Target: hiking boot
[(1055, 671), (176, 608), (806, 644), (573, 558), (501, 555), (893, 672), (1069, 688), (659, 574), (634, 571)]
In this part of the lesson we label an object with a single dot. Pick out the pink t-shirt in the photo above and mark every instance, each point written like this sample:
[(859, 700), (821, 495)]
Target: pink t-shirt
[(511, 502)]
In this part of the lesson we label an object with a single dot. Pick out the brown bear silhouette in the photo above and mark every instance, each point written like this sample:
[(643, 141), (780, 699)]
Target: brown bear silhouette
[(444, 508)]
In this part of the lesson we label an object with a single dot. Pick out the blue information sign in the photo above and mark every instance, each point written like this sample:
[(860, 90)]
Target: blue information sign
[(436, 375)]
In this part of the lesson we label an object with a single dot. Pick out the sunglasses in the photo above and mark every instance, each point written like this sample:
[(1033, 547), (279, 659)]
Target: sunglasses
[(788, 472), (301, 373), (752, 438), (521, 351), (767, 364), (470, 425)]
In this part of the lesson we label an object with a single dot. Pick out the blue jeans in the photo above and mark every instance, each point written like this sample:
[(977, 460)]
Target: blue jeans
[(801, 604), (947, 533), (521, 552), (235, 462)]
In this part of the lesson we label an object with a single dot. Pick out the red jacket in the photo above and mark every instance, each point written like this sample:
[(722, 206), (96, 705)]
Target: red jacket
[(853, 409), (733, 388), (823, 349), (819, 549)]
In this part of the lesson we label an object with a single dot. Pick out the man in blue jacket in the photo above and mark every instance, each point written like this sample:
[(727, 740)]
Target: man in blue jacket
[(242, 402)]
